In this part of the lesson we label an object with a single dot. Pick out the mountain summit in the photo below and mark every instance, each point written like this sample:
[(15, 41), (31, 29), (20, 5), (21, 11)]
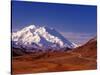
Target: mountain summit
[(35, 37)]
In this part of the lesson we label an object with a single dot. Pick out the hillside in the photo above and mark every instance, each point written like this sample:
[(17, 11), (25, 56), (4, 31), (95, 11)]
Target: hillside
[(88, 50), (81, 58)]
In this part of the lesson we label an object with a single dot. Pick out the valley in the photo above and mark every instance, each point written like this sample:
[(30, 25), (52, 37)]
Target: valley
[(73, 60)]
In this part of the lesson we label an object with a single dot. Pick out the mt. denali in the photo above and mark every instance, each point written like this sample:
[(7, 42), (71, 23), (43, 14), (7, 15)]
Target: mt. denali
[(35, 37)]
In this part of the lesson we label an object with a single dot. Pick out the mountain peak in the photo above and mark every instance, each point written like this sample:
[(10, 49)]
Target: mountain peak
[(29, 27), (40, 37)]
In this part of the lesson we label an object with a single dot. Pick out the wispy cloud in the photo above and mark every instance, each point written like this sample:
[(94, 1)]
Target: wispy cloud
[(78, 38)]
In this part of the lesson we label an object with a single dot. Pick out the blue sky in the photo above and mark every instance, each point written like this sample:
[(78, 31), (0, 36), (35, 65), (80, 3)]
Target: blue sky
[(76, 22)]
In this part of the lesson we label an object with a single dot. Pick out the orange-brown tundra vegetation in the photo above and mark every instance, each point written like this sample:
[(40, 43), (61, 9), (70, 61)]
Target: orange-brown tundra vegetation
[(81, 58)]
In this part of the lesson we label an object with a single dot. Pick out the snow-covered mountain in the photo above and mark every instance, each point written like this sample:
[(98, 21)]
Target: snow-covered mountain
[(35, 37)]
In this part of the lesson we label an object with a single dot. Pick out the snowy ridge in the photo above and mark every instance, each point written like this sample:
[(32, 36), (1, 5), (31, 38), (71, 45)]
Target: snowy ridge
[(34, 37)]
